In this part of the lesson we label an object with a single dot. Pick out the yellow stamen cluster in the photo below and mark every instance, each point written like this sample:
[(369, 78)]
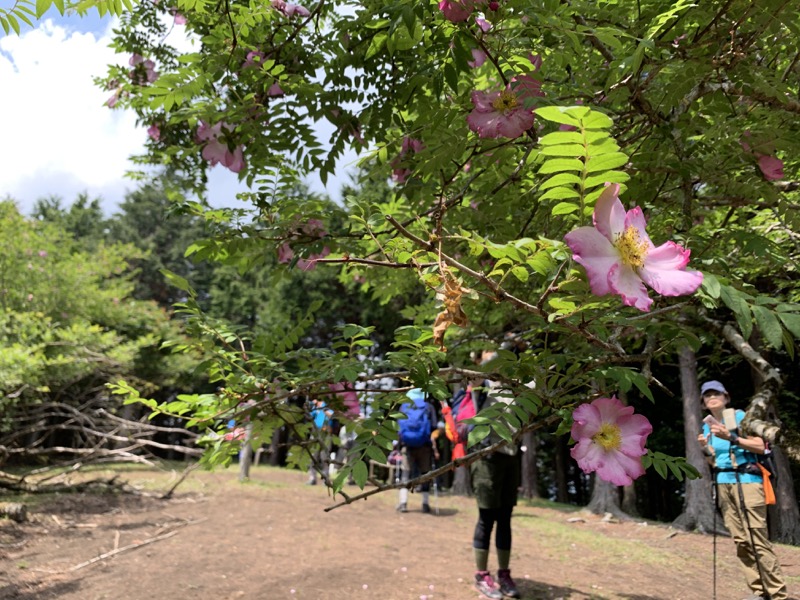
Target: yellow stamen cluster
[(609, 437), (506, 101), (631, 247)]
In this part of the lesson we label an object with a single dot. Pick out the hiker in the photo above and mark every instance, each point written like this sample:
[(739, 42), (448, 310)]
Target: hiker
[(740, 492), (495, 480), (321, 417), (416, 445)]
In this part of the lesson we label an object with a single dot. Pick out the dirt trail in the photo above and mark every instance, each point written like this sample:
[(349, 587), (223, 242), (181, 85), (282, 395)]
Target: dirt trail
[(271, 540)]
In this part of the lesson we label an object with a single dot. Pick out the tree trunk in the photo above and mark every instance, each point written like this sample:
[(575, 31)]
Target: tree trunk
[(276, 452), (246, 454), (530, 470), (785, 514), (605, 499), (562, 489), (629, 501), (698, 506)]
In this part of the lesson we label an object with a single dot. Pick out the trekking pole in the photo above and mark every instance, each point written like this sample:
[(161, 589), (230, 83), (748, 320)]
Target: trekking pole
[(714, 543), (435, 488)]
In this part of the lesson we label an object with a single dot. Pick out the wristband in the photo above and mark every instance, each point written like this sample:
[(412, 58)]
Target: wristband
[(734, 439)]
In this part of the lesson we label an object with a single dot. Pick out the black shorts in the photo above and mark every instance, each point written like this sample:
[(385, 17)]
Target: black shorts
[(495, 479)]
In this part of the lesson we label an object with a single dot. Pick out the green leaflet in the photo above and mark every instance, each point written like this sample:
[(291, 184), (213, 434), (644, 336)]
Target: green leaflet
[(581, 161)]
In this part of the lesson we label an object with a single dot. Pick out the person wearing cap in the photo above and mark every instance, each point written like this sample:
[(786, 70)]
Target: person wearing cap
[(732, 456), (417, 456)]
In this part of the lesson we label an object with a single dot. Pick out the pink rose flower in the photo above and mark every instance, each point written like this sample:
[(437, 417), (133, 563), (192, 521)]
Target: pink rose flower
[(771, 167), (216, 151), (315, 228), (484, 25), (290, 10), (179, 18), (478, 58), (456, 11), (154, 132), (254, 59), (285, 254), (619, 257), (139, 64), (349, 397), (499, 114), (610, 440)]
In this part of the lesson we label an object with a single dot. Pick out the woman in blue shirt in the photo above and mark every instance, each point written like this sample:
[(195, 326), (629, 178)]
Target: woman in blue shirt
[(733, 458)]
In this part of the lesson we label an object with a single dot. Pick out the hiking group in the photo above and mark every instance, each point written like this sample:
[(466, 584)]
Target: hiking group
[(742, 487), (495, 477)]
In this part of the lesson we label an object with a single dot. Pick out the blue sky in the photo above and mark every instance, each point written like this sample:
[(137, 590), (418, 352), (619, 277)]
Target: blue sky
[(60, 138)]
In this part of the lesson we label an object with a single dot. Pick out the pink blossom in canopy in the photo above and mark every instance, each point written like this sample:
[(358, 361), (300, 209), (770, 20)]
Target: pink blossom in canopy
[(179, 18), (771, 167), (235, 160), (409, 146), (154, 132), (275, 90), (456, 10), (285, 254), (348, 396), (484, 25), (290, 10), (619, 257), (499, 114), (315, 228), (237, 434), (254, 59), (112, 101), (206, 132), (310, 263), (216, 151), (610, 440), (527, 86), (478, 58), (140, 65)]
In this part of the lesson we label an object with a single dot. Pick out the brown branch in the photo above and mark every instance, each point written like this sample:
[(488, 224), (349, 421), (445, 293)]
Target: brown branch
[(452, 465), (500, 294)]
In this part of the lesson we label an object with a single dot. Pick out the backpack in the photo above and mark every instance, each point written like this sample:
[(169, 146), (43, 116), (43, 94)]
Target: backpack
[(769, 472), (460, 410), (415, 429)]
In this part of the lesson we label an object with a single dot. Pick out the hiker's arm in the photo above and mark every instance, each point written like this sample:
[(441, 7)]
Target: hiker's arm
[(752, 444)]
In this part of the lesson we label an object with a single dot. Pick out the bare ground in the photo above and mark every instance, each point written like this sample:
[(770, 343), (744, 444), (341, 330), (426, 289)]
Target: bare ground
[(271, 539)]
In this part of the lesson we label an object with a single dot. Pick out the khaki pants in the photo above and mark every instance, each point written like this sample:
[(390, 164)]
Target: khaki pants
[(729, 505)]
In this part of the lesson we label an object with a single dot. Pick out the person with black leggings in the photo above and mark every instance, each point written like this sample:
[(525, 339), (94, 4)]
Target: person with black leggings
[(495, 481)]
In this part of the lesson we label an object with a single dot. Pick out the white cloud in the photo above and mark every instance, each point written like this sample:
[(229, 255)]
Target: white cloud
[(59, 138)]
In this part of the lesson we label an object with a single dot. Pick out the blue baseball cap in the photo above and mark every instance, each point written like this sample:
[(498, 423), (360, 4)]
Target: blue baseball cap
[(712, 385)]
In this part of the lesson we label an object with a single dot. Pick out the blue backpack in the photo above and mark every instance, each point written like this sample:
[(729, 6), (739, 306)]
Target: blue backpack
[(415, 429)]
